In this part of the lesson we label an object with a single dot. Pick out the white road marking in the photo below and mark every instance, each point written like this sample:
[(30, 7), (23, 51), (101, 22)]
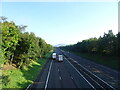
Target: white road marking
[(48, 75), (90, 77), (27, 87), (82, 75), (60, 77), (58, 70), (95, 81), (71, 77), (94, 75)]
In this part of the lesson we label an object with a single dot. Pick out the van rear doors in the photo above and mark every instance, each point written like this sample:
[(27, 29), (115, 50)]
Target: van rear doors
[(54, 56), (60, 57)]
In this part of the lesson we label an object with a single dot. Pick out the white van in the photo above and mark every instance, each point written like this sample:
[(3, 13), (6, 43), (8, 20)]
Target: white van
[(60, 57), (54, 56)]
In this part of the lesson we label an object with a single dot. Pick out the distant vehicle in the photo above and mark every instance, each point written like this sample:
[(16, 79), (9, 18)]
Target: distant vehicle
[(60, 57), (54, 56)]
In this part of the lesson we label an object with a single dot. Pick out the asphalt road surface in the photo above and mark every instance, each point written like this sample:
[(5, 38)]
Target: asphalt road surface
[(68, 74)]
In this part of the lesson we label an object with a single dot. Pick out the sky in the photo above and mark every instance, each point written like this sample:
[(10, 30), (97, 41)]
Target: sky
[(64, 22)]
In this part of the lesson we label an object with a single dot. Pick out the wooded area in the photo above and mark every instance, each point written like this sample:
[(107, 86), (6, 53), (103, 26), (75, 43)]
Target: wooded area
[(108, 45), (19, 47)]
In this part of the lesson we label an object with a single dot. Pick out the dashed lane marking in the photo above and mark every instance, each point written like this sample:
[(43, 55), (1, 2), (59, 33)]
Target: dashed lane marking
[(60, 77)]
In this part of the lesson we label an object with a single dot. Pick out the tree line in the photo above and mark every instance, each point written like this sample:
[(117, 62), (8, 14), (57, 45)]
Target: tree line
[(19, 47), (108, 45)]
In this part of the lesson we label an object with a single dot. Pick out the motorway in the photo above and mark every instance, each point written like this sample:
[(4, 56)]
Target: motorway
[(68, 74)]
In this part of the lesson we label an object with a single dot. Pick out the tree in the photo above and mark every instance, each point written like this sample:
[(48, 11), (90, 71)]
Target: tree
[(109, 44), (21, 48), (3, 19), (118, 44), (10, 34)]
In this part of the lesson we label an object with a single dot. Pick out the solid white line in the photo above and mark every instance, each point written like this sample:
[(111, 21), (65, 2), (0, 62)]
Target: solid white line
[(48, 75), (95, 81), (27, 87), (86, 73), (94, 75), (91, 73), (82, 75)]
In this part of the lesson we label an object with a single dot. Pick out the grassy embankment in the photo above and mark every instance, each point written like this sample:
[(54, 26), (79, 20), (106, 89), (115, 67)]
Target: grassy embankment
[(17, 78), (110, 61)]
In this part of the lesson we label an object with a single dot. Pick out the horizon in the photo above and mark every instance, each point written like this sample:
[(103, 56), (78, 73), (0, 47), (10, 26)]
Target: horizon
[(64, 22)]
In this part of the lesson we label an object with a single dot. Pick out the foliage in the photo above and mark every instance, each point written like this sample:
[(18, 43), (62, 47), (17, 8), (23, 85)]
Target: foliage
[(18, 47), (110, 61), (22, 78), (10, 34), (108, 45), (5, 79)]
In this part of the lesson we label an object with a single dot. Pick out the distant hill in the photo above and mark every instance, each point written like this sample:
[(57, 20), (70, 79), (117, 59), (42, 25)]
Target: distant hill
[(58, 45)]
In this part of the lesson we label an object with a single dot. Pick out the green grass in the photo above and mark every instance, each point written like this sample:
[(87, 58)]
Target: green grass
[(22, 78), (110, 61)]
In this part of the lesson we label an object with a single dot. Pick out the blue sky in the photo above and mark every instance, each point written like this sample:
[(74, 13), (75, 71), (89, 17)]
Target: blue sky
[(64, 22)]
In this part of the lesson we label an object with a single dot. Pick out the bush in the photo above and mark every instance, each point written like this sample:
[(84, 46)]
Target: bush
[(5, 79)]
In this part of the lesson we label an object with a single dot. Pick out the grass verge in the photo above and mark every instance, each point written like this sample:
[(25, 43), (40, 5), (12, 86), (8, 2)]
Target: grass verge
[(17, 78), (110, 61)]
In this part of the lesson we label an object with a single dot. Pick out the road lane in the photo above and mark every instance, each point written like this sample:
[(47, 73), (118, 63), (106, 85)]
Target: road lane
[(72, 75), (64, 75), (59, 77), (107, 74), (54, 81), (95, 80), (79, 79)]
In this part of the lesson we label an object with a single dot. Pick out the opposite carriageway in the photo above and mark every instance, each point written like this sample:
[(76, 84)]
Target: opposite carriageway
[(92, 79)]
